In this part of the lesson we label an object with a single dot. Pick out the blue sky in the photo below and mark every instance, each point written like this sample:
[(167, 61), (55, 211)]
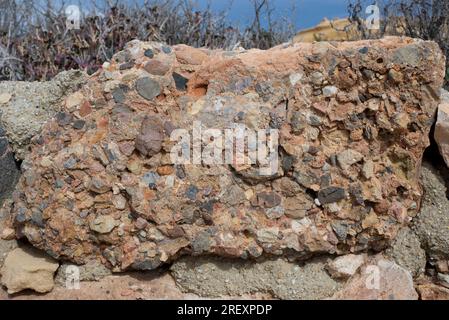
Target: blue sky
[(308, 12)]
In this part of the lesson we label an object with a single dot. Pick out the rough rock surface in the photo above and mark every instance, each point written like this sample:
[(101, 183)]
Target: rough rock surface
[(129, 286), (406, 251), (430, 291), (379, 279), (441, 133), (6, 246), (353, 122), (345, 266), (26, 106), (215, 277), (432, 223), (8, 168), (7, 239), (91, 271), (28, 268)]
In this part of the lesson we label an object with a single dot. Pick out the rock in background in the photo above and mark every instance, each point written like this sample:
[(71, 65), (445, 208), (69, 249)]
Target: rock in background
[(26, 106), (353, 119)]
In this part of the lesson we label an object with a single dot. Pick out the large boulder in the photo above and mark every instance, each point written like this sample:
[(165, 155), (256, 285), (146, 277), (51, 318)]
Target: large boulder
[(352, 121)]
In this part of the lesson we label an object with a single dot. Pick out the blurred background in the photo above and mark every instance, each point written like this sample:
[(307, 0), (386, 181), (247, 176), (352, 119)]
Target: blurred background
[(40, 38)]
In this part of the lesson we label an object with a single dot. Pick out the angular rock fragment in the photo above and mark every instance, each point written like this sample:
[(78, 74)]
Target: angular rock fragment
[(348, 157), (345, 179), (379, 279), (180, 81), (345, 266), (331, 195), (102, 224), (148, 88)]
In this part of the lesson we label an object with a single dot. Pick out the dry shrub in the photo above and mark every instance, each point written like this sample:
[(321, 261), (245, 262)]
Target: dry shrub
[(35, 43), (425, 19)]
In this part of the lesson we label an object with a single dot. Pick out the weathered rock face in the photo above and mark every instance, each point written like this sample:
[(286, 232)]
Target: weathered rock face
[(215, 277), (379, 279), (26, 106), (346, 266), (6, 246), (406, 251), (430, 291), (352, 119), (433, 219), (442, 126), (91, 271), (8, 168)]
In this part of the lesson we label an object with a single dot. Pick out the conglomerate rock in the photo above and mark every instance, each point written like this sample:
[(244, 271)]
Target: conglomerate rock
[(352, 120)]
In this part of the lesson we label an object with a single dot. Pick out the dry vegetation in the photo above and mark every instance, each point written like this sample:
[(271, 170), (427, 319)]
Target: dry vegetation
[(35, 43), (425, 19)]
